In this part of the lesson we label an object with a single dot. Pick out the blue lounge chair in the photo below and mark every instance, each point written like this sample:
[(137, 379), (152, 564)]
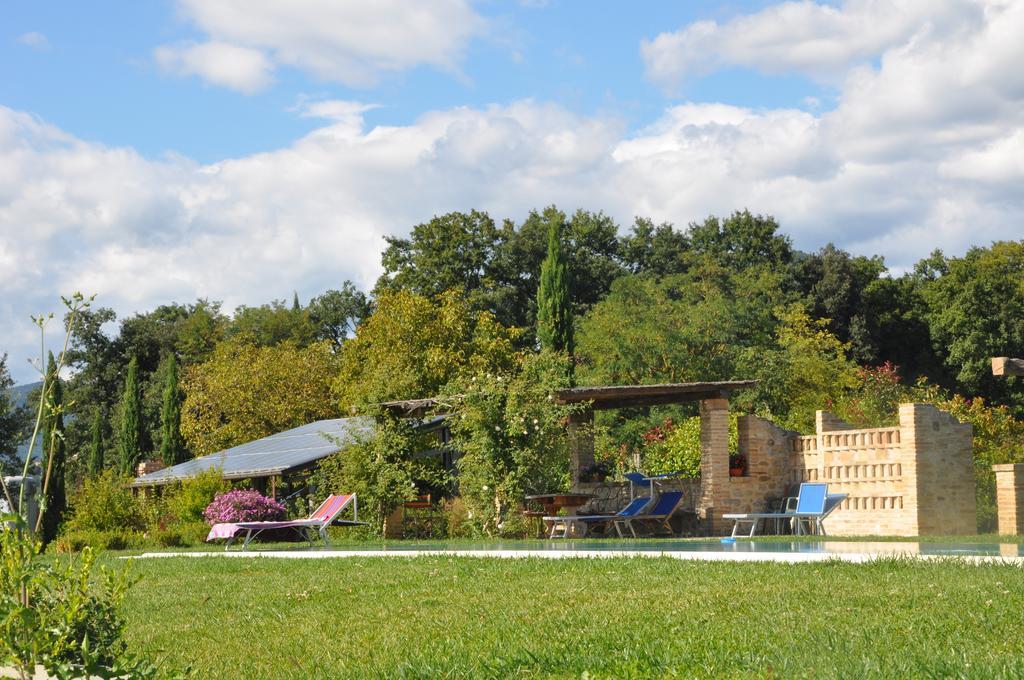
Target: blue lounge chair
[(562, 525), (659, 515), (814, 504)]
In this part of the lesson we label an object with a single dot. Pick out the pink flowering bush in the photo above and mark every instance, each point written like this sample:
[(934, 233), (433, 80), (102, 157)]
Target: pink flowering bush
[(243, 505)]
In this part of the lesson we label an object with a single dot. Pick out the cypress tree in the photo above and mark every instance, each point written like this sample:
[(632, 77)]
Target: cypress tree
[(130, 439), (55, 501), (172, 444), (554, 305), (95, 463)]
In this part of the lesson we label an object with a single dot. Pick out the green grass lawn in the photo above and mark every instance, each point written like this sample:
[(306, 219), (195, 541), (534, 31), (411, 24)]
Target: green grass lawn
[(464, 617)]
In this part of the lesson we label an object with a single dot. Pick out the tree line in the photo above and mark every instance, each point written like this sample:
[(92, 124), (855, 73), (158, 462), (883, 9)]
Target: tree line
[(723, 298)]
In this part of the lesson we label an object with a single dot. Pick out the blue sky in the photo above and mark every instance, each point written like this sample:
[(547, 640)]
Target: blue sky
[(240, 150), (97, 78)]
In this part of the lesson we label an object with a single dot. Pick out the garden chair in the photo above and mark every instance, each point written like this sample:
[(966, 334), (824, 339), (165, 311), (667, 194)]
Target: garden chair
[(564, 524), (813, 505), (658, 516), (317, 522)]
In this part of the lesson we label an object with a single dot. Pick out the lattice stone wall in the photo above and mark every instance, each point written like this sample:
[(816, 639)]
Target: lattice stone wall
[(913, 479)]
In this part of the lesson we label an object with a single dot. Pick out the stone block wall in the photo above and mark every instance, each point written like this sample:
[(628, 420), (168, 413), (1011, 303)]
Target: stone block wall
[(610, 497), (913, 479), (1010, 498)]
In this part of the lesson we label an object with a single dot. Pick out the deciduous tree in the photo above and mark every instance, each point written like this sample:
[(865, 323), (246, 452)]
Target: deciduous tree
[(245, 392)]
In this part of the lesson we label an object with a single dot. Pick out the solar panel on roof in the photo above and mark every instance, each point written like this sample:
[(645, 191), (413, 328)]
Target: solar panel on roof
[(271, 455)]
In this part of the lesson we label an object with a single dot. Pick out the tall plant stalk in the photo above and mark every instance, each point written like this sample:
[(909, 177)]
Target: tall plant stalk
[(75, 305)]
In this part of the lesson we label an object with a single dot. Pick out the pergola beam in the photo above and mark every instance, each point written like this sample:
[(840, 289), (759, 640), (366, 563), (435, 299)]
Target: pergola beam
[(1007, 366)]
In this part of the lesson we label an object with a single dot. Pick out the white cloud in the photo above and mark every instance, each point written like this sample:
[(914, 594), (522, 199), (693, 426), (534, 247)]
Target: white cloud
[(239, 68), (343, 41), (813, 38), (922, 151), (34, 40)]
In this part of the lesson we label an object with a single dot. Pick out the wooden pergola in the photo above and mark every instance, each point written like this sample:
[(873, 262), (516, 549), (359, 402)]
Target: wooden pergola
[(597, 398)]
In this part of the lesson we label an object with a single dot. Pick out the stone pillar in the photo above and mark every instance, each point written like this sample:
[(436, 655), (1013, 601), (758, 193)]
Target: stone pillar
[(1010, 498), (714, 463), (829, 422), (581, 443), (938, 472)]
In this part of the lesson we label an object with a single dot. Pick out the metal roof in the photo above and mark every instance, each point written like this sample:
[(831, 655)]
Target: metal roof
[(288, 450)]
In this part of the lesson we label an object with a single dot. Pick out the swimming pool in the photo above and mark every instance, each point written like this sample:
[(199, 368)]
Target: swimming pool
[(714, 549)]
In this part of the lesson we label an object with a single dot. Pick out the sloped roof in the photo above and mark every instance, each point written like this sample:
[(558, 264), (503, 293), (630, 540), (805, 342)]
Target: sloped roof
[(288, 450)]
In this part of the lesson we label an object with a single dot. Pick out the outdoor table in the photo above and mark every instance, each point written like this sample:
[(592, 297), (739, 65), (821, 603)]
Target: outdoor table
[(553, 502)]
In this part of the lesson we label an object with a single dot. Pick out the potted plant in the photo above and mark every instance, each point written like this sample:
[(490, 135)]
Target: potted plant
[(597, 472), (737, 465)]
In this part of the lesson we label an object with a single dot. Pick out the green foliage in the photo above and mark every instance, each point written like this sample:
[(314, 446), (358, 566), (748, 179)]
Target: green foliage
[(272, 324), (554, 306), (95, 461), (172, 444), (741, 241), (130, 435), (184, 501), (675, 448), (975, 312), (337, 313), (655, 250), (839, 287), (77, 540), (245, 392), (806, 370), (60, 615), (54, 492), (13, 421), (681, 328), (105, 503), (378, 468), (512, 439), (411, 346)]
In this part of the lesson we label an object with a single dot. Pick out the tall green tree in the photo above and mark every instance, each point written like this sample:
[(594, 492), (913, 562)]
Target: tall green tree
[(172, 444), (975, 312), (554, 302), (95, 462), (55, 495), (130, 436), (337, 313), (12, 421)]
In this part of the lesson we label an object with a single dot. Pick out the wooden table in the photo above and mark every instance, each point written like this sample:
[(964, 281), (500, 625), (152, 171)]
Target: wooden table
[(554, 502)]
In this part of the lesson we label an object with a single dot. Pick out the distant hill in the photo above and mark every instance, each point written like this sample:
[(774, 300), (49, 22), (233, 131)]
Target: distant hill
[(21, 393)]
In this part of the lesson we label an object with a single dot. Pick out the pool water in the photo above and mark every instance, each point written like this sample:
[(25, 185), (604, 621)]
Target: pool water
[(676, 547)]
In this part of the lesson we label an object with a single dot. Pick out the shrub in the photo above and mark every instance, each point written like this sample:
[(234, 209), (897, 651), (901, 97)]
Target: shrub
[(105, 503), (456, 519), (188, 500), (73, 541), (59, 615), (243, 505), (673, 447)]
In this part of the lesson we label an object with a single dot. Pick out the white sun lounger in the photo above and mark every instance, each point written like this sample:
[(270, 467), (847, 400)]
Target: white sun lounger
[(814, 504)]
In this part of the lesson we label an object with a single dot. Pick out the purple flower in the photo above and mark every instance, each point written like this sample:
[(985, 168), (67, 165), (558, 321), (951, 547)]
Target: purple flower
[(243, 505)]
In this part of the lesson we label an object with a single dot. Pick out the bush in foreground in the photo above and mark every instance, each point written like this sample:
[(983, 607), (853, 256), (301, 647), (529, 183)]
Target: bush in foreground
[(62, 616)]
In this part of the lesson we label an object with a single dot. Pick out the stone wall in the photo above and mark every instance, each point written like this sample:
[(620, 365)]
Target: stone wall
[(610, 497), (913, 479), (1010, 498)]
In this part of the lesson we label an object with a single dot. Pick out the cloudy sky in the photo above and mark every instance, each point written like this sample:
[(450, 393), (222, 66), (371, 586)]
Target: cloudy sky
[(243, 149)]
